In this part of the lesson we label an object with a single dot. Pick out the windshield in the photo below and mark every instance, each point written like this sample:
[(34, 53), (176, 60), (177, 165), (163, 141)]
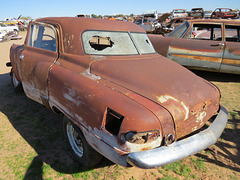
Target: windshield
[(116, 43), (179, 32)]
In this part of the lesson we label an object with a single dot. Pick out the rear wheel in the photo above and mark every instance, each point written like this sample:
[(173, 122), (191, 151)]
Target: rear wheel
[(81, 151)]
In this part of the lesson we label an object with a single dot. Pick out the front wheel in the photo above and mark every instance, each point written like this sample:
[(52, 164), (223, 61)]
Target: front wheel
[(81, 151)]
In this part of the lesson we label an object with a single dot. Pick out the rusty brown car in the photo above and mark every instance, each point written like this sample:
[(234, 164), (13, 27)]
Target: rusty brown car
[(211, 45), (224, 13), (118, 97)]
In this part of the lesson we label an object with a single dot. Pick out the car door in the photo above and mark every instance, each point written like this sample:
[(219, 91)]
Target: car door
[(200, 48), (39, 54), (231, 58)]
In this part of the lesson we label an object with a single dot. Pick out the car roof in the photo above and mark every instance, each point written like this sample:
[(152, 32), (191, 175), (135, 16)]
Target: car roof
[(80, 24), (226, 21), (71, 29), (179, 9), (223, 8)]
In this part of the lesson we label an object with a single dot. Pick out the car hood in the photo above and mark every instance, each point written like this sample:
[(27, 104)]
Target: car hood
[(163, 17), (190, 99)]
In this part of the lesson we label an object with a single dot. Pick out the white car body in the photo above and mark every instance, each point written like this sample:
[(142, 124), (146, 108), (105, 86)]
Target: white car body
[(176, 13), (4, 29)]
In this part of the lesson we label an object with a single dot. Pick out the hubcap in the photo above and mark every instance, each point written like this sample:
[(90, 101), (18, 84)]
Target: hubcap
[(74, 140)]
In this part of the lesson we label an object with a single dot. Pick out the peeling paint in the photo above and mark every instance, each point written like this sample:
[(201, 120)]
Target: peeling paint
[(32, 92), (133, 147), (71, 96), (97, 58), (195, 128), (90, 75), (165, 98)]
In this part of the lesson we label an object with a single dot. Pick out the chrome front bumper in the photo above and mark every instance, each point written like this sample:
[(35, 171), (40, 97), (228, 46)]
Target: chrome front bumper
[(167, 154)]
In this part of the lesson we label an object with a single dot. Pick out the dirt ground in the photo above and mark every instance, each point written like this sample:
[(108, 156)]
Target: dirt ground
[(32, 145)]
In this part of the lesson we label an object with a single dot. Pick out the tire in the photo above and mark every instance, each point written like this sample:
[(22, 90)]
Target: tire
[(81, 151), (17, 85)]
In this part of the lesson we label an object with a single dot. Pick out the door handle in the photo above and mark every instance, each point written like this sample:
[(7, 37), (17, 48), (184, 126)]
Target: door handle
[(218, 44), (21, 57)]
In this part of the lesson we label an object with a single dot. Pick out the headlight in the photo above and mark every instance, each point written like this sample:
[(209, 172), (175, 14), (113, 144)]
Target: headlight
[(142, 137)]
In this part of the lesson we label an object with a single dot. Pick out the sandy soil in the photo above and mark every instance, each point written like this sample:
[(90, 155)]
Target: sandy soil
[(4, 52)]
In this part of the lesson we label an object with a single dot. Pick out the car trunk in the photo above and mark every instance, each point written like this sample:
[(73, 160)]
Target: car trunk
[(190, 99)]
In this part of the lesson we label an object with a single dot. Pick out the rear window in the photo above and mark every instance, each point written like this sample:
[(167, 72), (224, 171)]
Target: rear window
[(116, 43)]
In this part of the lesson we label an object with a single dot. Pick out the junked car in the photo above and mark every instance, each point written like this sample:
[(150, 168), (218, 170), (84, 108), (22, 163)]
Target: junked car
[(165, 27), (4, 29), (196, 13), (176, 13), (224, 13), (118, 97), (211, 45), (146, 20), (145, 23), (207, 14)]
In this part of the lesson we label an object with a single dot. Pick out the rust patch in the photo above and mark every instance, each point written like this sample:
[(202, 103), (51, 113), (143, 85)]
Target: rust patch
[(200, 112), (201, 58), (165, 98), (231, 61)]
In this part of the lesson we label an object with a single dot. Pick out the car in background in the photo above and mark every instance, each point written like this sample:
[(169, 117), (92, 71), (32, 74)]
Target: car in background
[(166, 26), (207, 14), (146, 20), (196, 13), (6, 29), (145, 23), (206, 44), (224, 13), (176, 13)]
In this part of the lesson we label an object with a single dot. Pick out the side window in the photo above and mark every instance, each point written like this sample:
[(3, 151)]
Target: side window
[(42, 37), (206, 32), (232, 33)]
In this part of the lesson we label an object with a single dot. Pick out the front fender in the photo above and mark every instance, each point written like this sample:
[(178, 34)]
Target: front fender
[(15, 52)]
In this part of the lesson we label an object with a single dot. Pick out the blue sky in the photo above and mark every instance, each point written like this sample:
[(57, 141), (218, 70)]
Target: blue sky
[(45, 8)]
